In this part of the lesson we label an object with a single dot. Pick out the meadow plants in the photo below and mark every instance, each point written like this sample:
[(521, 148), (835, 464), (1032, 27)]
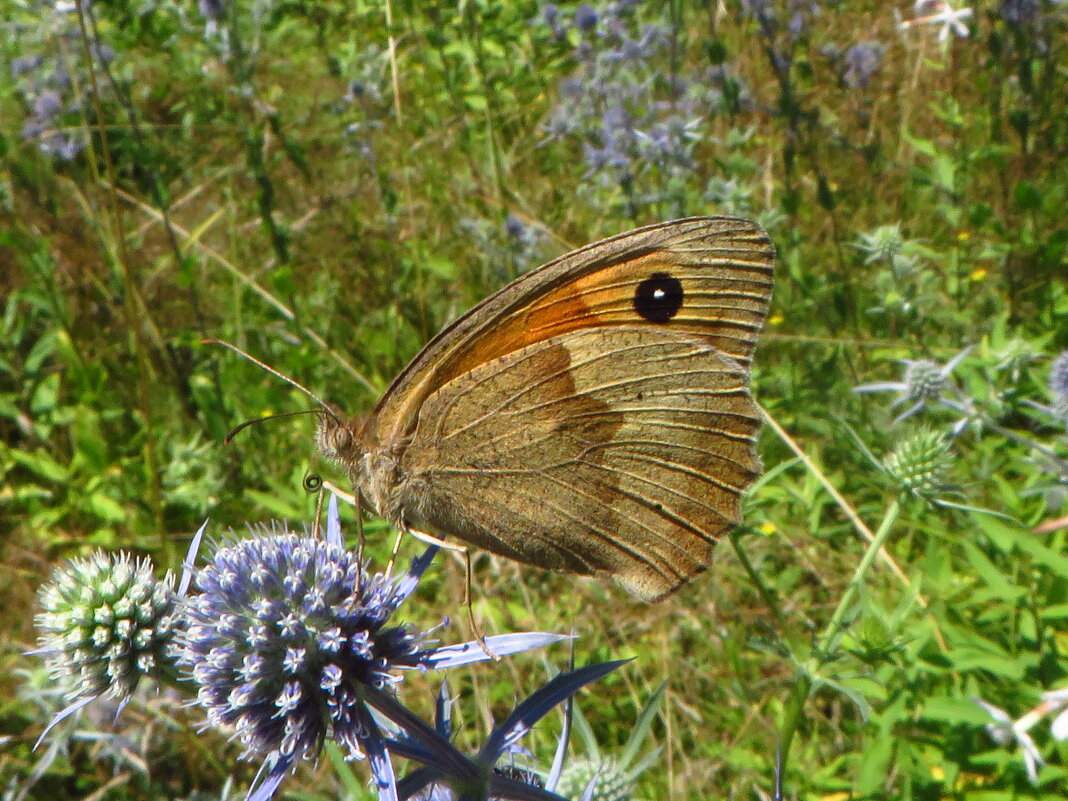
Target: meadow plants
[(326, 185)]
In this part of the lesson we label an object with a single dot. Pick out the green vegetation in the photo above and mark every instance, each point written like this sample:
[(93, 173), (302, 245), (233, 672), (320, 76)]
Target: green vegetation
[(325, 184)]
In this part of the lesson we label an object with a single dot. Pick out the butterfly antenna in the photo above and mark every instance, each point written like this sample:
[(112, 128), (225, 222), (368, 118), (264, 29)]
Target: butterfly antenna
[(295, 384), (238, 429)]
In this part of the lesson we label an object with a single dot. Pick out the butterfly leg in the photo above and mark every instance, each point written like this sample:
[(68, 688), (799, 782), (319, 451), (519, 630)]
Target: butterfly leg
[(393, 553), (449, 546)]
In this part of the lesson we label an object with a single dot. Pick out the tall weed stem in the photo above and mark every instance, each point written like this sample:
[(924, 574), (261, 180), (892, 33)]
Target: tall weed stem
[(808, 673)]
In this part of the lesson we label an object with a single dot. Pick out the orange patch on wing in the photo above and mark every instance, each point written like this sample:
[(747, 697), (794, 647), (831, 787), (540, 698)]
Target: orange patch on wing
[(717, 305)]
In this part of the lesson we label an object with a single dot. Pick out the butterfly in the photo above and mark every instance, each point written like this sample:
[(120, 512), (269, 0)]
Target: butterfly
[(593, 416)]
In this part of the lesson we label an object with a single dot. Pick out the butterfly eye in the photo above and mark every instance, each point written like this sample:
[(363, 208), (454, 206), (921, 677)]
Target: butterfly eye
[(658, 298)]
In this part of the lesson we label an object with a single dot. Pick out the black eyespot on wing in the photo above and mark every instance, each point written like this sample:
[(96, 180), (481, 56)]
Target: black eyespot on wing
[(658, 298)]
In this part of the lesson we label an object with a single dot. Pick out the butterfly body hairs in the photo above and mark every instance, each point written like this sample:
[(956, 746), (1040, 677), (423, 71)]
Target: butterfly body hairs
[(592, 417)]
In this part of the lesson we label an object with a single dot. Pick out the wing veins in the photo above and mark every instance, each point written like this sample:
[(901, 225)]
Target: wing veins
[(678, 467)]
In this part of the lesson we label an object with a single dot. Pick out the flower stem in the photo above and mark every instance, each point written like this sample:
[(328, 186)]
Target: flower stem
[(822, 652), (834, 625)]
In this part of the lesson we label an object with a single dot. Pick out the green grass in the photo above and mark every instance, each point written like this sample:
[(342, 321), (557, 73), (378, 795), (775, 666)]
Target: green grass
[(228, 189)]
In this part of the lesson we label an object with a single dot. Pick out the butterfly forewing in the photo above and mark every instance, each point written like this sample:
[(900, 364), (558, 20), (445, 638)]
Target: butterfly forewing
[(723, 266)]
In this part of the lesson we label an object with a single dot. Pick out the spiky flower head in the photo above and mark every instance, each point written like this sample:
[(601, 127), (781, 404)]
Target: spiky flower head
[(612, 782), (284, 633), (882, 244), (924, 381), (920, 463), (291, 641), (1058, 384), (106, 622)]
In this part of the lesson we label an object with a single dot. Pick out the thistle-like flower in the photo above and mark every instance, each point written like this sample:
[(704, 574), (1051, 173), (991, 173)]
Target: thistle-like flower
[(608, 777), (923, 381), (290, 634), (1006, 731), (610, 780), (884, 243), (446, 774), (1058, 385), (861, 62), (920, 463), (106, 623), (940, 12)]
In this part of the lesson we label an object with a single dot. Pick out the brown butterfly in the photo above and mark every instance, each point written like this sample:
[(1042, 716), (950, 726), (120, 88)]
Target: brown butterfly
[(592, 417)]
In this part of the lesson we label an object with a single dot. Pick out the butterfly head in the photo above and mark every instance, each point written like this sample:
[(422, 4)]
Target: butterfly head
[(339, 438)]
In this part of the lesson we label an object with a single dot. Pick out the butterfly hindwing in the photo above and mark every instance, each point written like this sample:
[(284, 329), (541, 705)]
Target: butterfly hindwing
[(611, 450)]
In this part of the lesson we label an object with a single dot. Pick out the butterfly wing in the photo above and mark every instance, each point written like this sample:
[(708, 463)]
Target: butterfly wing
[(619, 450), (723, 266), (593, 416)]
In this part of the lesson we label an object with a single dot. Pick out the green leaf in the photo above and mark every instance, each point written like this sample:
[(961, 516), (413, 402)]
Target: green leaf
[(991, 575), (106, 508), (990, 659), (343, 770), (92, 447), (641, 727), (275, 505), (440, 266), (874, 769), (925, 146), (1047, 557), (41, 464), (954, 710), (1027, 196)]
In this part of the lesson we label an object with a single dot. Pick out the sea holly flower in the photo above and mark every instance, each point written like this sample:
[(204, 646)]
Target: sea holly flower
[(940, 12), (447, 774), (1005, 731), (1058, 385), (860, 63), (920, 463), (585, 18), (106, 623), (882, 244), (923, 381), (1058, 390), (612, 777), (288, 638)]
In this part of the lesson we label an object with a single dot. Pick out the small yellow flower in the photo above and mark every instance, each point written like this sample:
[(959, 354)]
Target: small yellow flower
[(776, 319), (767, 527), (937, 773), (963, 236), (978, 274)]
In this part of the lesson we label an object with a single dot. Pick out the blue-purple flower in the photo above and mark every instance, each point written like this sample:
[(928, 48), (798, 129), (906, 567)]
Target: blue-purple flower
[(861, 62), (923, 382), (288, 637), (1058, 385), (445, 773)]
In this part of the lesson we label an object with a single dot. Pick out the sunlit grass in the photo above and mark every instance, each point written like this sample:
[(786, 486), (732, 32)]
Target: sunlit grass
[(327, 191)]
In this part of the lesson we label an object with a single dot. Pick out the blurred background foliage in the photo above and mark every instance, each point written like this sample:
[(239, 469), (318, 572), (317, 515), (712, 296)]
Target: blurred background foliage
[(325, 184)]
